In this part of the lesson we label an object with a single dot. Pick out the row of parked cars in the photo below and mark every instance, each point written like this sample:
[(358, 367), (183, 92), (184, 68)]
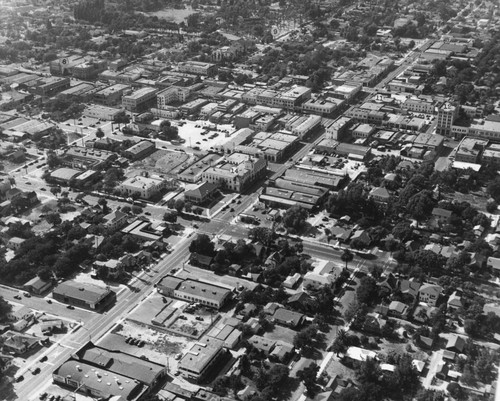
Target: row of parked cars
[(50, 397), (135, 341)]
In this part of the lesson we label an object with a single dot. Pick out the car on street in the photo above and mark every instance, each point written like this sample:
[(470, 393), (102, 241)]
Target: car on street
[(36, 371), (70, 307), (17, 296)]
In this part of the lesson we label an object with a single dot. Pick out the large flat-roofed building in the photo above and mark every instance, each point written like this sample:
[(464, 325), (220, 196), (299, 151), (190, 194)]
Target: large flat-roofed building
[(88, 296), (101, 112), (483, 129), (320, 106), (110, 96), (140, 150), (201, 359), (52, 85), (236, 172), (338, 128), (146, 187), (87, 158), (91, 381), (198, 68), (419, 105), (140, 100), (191, 290), (115, 361)]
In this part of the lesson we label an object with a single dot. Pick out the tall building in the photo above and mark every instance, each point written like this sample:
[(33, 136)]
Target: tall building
[(447, 114)]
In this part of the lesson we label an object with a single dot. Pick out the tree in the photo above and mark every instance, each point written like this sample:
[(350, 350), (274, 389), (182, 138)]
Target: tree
[(104, 204), (347, 256), (308, 376), (52, 160), (295, 218), (55, 190), (170, 217), (263, 235), (53, 219), (5, 309), (202, 245), (179, 205), (367, 291), (99, 133)]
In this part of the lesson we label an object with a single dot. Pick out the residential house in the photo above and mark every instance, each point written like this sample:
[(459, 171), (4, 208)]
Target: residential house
[(380, 194), (281, 352), (19, 343), (37, 286), (493, 264), (203, 261), (441, 215), (409, 288), (288, 318), (115, 220), (374, 323), (361, 237), (429, 293), (398, 309), (360, 354), (455, 301), (203, 193), (300, 301), (264, 345), (455, 343)]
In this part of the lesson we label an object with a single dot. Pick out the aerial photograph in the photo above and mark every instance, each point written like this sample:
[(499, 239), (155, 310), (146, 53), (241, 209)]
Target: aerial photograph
[(249, 200)]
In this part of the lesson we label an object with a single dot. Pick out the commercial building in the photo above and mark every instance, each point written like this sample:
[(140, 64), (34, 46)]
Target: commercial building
[(202, 359), (115, 361), (52, 85), (146, 187), (482, 129), (320, 106), (338, 128), (89, 69), (140, 150), (191, 290), (101, 112), (198, 68), (110, 96), (447, 114), (87, 158), (88, 296), (236, 172), (140, 100), (419, 105), (96, 382), (470, 150)]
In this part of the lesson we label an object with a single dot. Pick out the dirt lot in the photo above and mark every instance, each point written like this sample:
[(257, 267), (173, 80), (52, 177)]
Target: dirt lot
[(171, 14), (192, 325), (160, 162)]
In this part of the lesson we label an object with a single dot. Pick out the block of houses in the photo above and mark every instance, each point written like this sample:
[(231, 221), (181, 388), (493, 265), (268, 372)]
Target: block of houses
[(429, 293)]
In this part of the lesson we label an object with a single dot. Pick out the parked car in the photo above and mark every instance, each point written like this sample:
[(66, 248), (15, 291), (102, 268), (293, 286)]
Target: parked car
[(70, 307)]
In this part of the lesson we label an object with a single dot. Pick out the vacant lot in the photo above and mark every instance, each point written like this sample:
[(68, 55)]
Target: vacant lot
[(160, 162), (173, 15)]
